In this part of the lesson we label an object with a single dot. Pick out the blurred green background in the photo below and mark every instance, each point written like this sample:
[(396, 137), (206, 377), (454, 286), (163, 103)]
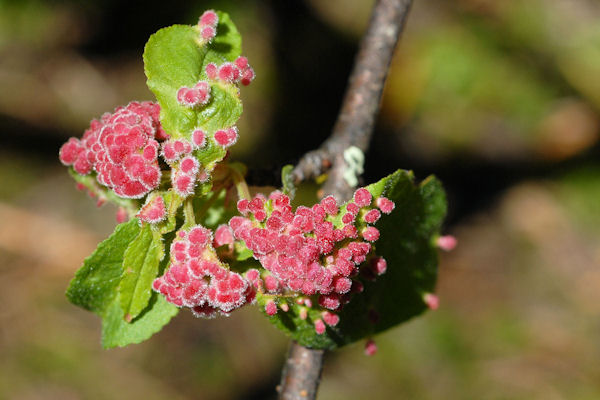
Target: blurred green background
[(500, 99)]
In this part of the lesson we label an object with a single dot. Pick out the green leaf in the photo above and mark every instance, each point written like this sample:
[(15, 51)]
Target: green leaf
[(173, 59), (117, 332), (140, 267), (407, 243), (95, 283)]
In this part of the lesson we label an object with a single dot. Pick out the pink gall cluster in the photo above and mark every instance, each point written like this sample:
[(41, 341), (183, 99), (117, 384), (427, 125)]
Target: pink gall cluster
[(198, 95), (198, 280), (238, 71), (186, 170), (122, 148), (304, 252), (207, 24)]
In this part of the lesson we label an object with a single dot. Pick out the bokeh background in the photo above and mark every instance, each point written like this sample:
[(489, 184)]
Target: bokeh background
[(500, 99)]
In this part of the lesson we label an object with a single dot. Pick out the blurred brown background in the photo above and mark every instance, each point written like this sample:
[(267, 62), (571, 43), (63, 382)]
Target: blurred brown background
[(500, 99)]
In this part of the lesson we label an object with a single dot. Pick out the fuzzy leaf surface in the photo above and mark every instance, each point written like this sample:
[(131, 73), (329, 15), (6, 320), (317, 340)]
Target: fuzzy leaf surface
[(140, 267), (407, 242), (117, 332), (95, 283)]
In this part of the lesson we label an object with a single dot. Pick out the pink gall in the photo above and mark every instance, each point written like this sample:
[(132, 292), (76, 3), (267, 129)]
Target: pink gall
[(226, 137), (431, 300), (447, 242), (370, 347), (153, 211), (353, 208), (211, 70), (223, 236), (208, 33), (189, 165), (320, 326), (370, 233), (198, 139), (209, 17), (122, 215), (241, 62), (248, 76), (271, 308), (183, 184), (372, 216), (330, 318), (378, 265), (385, 205), (303, 313), (362, 197), (228, 72)]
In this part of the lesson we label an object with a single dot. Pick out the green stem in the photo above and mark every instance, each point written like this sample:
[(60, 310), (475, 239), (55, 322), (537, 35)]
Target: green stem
[(240, 185), (188, 212)]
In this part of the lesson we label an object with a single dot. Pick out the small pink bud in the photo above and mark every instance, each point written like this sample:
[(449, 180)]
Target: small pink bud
[(271, 308), (226, 137), (284, 307), (378, 265), (303, 313), (223, 235), (353, 208), (372, 216), (385, 205), (189, 165), (370, 347), (211, 71), (199, 138), (362, 197), (370, 233), (447, 242), (228, 72), (153, 211), (241, 62), (271, 284), (208, 33), (122, 215), (330, 318), (320, 326), (209, 17), (248, 76), (431, 300)]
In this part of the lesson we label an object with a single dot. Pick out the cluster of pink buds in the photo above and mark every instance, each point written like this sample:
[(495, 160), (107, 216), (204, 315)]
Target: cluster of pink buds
[(122, 148), (186, 169), (238, 71), (304, 252), (198, 95), (197, 279), (207, 24)]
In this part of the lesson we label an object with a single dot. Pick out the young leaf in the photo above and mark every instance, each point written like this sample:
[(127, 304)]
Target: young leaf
[(140, 267), (407, 243), (95, 283), (173, 59), (117, 332)]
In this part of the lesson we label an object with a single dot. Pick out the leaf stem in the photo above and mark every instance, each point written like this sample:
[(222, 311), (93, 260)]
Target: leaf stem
[(188, 212)]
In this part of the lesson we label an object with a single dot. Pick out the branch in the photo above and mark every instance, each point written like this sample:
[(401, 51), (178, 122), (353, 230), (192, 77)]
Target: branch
[(354, 127), (301, 373)]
